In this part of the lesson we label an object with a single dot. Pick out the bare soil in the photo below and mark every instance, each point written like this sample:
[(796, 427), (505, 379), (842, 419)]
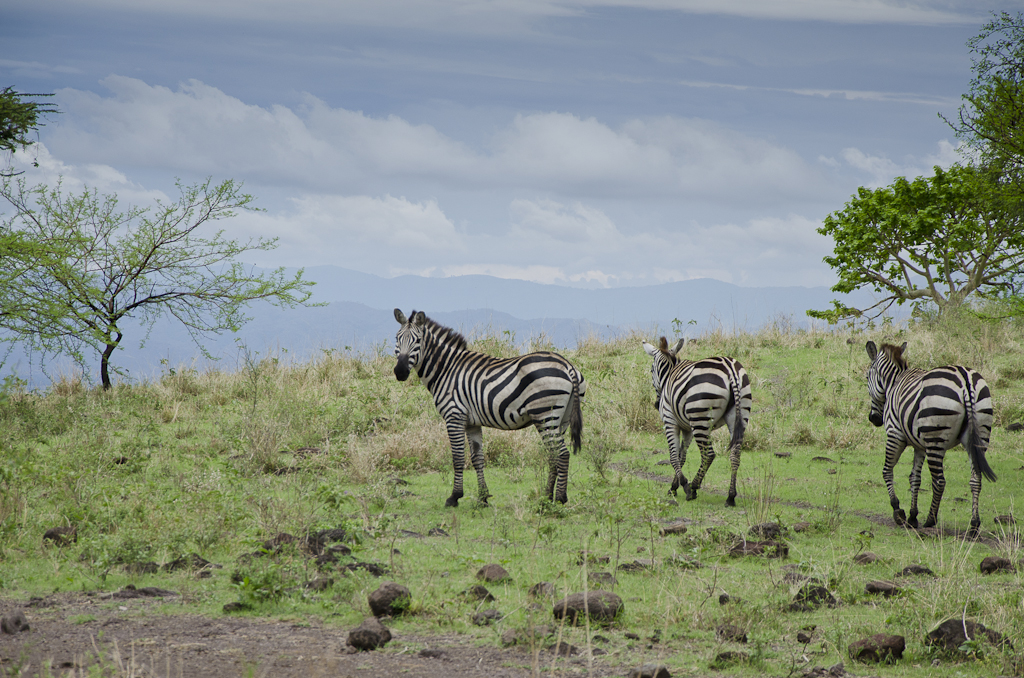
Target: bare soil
[(74, 634)]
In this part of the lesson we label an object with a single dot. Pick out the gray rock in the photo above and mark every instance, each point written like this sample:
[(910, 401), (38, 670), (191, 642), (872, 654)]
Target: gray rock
[(994, 564), (880, 647), (650, 671), (493, 573), (602, 606), (485, 617), (369, 635), (389, 600), (14, 623), (885, 588)]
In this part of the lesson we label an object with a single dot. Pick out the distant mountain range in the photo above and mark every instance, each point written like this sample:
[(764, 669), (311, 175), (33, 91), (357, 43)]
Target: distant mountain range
[(359, 316)]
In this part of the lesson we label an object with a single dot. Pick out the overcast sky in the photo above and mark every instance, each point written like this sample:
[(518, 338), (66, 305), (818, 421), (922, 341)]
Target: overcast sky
[(582, 142)]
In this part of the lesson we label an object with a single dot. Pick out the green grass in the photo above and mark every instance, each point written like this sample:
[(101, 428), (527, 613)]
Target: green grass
[(215, 463)]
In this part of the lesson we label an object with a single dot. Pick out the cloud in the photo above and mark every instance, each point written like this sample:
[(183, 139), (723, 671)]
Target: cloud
[(200, 129), (882, 171)]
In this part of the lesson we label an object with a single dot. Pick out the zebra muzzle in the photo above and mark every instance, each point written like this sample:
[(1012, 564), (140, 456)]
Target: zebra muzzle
[(402, 368)]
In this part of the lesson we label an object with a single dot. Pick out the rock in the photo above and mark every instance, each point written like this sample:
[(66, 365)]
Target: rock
[(824, 459), (129, 592), (766, 531), (390, 599), (275, 544), (769, 549), (910, 570), (812, 595), (602, 579), (147, 567), (865, 558), (320, 584), (1006, 519), (949, 635), (588, 557), (650, 671), (602, 606), (192, 562), (493, 573), (1015, 426), (564, 649), (802, 526), (678, 527), (478, 592), (731, 633), (485, 617), (878, 648), (783, 455), (885, 588), (60, 536), (994, 564), (544, 589), (235, 607), (369, 635), (724, 659), (14, 623), (804, 637)]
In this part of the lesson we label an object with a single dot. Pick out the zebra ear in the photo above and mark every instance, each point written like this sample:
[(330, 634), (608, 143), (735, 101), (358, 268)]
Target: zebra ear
[(419, 318), (872, 350), (400, 317), (903, 348), (651, 350), (679, 345)]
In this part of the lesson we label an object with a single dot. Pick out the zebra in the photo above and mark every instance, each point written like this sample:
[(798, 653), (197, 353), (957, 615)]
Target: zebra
[(472, 390), (932, 412), (693, 399)]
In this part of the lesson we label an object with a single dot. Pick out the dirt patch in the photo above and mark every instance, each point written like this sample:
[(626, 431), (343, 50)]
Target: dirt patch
[(75, 632)]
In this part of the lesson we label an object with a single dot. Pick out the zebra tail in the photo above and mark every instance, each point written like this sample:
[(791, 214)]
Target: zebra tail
[(976, 450), (575, 418), (740, 426)]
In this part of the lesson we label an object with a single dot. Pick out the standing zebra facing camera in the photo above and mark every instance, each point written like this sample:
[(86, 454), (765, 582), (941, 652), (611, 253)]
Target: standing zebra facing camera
[(932, 412), (693, 399), (472, 390)]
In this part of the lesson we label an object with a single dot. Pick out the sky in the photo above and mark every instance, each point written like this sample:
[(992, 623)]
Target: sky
[(574, 142)]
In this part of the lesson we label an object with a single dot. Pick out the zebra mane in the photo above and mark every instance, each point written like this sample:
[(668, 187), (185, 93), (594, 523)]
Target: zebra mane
[(895, 354), (444, 335)]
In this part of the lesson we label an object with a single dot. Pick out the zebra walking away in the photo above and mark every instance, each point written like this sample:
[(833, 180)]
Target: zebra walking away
[(472, 390), (932, 412), (695, 398)]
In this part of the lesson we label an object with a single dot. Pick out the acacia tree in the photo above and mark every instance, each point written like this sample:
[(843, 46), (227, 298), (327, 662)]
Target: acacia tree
[(938, 239), (76, 266), (19, 116)]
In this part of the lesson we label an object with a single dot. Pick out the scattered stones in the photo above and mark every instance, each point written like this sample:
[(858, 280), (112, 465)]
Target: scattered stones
[(678, 527), (602, 606), (885, 588), (866, 558), (14, 623), (650, 671), (485, 617), (478, 592), (588, 557), (1005, 519), (493, 573), (731, 633), (60, 536), (802, 526), (994, 564), (372, 568), (369, 635), (129, 592), (949, 635), (637, 565), (389, 600), (602, 579), (911, 570), (878, 648), (834, 671), (544, 589), (767, 531), (769, 549), (812, 595)]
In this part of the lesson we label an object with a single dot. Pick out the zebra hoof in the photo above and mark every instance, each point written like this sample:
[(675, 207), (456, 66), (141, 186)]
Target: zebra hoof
[(691, 493), (562, 499), (927, 523), (730, 501), (912, 522), (900, 517), (451, 502)]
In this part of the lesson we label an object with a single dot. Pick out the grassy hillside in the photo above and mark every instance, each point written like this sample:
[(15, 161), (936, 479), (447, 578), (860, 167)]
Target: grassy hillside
[(217, 463)]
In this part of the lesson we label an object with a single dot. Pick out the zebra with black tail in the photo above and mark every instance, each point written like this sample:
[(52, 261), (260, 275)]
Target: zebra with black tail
[(932, 412), (695, 398), (472, 390)]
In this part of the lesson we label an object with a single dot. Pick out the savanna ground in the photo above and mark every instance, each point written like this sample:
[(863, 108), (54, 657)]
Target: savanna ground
[(217, 462)]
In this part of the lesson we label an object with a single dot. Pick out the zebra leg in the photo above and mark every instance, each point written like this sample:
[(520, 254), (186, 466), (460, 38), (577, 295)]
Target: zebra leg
[(894, 447), (734, 464), (975, 495), (915, 486), (678, 441), (476, 457), (457, 439), (938, 485), (707, 455)]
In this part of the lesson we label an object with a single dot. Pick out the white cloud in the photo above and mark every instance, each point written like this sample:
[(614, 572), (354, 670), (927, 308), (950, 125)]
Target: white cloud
[(575, 224), (882, 170)]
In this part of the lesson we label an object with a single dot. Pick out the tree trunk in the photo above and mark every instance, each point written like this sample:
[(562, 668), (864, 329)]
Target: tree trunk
[(105, 361)]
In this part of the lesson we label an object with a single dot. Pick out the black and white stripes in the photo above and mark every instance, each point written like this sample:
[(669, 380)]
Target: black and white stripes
[(695, 398), (931, 412), (472, 390)]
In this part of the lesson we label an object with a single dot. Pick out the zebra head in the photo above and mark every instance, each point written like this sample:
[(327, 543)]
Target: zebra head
[(885, 365), (408, 342), (664, 360)]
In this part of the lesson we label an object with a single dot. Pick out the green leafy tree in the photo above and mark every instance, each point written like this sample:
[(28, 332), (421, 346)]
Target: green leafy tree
[(938, 239), (76, 266), (19, 117), (991, 119)]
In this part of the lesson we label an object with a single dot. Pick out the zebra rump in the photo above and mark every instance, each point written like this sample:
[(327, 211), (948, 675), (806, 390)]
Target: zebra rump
[(472, 390)]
